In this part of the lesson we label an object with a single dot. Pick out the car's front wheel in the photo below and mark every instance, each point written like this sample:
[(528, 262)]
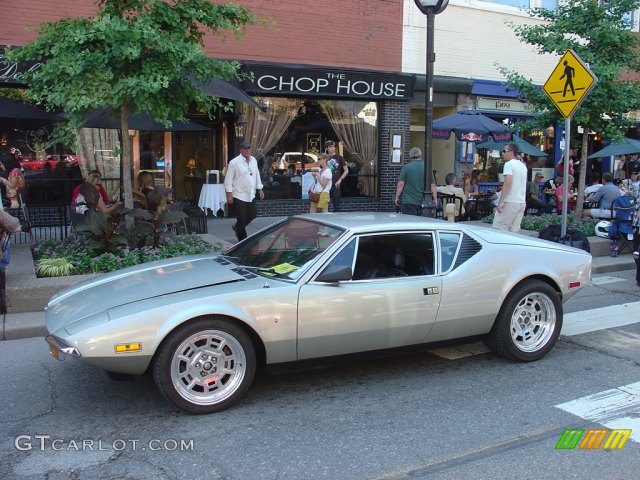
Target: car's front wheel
[(205, 365), (529, 322)]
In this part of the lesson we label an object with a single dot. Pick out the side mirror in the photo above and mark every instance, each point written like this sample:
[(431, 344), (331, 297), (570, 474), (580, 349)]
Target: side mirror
[(334, 274)]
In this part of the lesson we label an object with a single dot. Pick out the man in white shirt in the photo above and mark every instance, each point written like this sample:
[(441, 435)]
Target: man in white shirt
[(513, 199), (451, 189), (594, 187), (241, 182)]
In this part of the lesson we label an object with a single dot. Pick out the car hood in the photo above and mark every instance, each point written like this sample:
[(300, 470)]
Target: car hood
[(139, 283)]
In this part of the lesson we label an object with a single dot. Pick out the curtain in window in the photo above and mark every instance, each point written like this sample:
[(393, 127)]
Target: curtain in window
[(356, 124), (264, 129), (96, 146)]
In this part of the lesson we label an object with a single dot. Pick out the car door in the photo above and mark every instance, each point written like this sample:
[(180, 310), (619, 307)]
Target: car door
[(391, 300)]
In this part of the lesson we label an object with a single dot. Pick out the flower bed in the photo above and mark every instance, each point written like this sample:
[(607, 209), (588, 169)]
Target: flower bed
[(79, 255), (537, 223)]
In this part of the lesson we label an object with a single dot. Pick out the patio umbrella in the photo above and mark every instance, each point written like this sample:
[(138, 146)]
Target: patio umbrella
[(13, 109), (223, 89), (107, 118), (470, 126), (523, 146), (627, 145)]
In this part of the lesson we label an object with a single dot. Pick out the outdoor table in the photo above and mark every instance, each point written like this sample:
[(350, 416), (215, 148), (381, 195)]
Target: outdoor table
[(213, 197)]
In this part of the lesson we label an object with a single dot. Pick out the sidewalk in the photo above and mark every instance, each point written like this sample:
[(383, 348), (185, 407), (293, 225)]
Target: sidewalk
[(24, 323)]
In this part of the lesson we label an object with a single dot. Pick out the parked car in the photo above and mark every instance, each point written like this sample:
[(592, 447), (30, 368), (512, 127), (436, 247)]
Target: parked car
[(314, 286), (31, 164), (295, 161)]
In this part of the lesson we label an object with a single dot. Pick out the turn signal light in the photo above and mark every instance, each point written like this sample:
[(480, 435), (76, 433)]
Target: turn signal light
[(128, 347)]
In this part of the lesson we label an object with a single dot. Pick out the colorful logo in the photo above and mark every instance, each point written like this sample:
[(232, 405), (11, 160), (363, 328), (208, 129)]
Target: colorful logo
[(593, 438)]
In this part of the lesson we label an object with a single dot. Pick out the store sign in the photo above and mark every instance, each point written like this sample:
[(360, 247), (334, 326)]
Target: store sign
[(10, 73), (316, 82), (502, 105)]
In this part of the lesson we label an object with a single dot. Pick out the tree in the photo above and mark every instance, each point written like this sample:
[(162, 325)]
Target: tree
[(599, 33), (133, 56)]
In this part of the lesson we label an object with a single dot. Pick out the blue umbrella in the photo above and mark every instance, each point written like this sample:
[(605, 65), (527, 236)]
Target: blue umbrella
[(523, 146), (627, 145), (470, 126)]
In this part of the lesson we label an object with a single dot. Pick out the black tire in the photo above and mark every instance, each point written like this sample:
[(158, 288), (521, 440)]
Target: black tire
[(187, 367), (529, 322)]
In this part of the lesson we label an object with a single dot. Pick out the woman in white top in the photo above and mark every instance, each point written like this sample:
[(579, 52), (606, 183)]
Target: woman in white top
[(322, 184)]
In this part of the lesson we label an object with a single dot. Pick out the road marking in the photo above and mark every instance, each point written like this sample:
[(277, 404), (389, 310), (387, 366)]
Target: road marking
[(600, 318), (615, 408), (461, 351), (574, 323), (605, 279)]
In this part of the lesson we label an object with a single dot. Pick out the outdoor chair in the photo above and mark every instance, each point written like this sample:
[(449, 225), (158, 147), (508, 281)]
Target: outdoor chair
[(623, 210), (447, 199)]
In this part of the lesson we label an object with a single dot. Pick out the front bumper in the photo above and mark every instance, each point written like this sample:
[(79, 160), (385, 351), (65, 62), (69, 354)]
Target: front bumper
[(59, 350)]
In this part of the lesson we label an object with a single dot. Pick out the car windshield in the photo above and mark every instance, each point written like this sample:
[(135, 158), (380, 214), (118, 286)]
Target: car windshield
[(286, 249)]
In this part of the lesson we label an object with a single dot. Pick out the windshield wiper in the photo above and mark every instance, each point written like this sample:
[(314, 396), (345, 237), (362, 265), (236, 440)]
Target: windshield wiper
[(270, 271)]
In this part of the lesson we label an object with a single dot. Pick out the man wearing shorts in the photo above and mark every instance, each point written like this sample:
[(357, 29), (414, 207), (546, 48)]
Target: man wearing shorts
[(513, 198)]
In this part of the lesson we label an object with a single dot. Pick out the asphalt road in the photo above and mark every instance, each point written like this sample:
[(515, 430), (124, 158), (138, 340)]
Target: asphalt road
[(412, 416)]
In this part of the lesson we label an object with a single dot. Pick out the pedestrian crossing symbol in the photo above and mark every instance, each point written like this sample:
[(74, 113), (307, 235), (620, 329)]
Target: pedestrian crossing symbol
[(569, 83)]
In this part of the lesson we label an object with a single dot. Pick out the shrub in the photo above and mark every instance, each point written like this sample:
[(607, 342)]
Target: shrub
[(537, 223), (77, 251)]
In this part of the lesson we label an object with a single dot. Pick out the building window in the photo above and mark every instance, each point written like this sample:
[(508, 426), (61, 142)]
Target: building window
[(287, 138)]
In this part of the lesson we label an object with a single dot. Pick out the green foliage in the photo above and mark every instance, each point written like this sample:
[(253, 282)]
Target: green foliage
[(102, 231), (538, 222), (599, 33), (133, 56), (78, 251), (54, 267)]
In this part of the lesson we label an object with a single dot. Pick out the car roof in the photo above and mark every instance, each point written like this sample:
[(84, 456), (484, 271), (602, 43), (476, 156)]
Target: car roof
[(367, 221)]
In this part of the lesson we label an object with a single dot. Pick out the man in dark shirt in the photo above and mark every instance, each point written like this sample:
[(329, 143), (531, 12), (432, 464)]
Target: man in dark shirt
[(533, 201), (339, 170)]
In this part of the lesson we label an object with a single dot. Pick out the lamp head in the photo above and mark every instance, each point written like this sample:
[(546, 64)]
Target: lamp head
[(191, 163), (432, 6)]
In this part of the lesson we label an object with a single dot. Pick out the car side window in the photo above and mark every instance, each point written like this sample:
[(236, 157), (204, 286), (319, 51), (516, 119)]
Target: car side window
[(344, 258), (448, 248), (394, 256)]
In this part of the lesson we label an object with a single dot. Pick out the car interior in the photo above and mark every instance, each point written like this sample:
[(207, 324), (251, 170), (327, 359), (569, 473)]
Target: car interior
[(391, 256)]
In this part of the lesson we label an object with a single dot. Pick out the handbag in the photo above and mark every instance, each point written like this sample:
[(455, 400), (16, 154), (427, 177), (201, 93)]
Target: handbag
[(314, 196)]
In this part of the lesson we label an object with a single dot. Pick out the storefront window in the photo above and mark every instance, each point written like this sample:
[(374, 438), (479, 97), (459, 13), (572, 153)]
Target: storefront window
[(287, 138)]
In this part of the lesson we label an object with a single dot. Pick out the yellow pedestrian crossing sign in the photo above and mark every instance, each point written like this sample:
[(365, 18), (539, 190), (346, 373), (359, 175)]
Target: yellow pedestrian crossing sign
[(569, 83)]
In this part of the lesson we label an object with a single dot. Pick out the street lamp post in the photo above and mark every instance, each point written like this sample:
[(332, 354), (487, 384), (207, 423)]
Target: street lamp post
[(430, 8)]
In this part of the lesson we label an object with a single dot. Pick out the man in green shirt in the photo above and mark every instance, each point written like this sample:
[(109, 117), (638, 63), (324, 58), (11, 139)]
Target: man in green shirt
[(409, 192)]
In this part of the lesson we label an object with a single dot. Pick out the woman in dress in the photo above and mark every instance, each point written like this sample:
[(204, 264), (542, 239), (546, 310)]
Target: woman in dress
[(13, 183)]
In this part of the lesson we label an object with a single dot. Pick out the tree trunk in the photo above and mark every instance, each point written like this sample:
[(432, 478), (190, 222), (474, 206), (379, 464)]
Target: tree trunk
[(583, 174), (127, 157)]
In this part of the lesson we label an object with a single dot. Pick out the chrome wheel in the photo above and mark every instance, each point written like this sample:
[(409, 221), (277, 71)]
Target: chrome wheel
[(529, 322), (533, 322), (208, 367)]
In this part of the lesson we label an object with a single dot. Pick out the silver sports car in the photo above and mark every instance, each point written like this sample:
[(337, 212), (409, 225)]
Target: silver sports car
[(315, 286)]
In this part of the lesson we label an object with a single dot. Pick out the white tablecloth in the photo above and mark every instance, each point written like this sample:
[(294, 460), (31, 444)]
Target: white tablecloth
[(212, 196)]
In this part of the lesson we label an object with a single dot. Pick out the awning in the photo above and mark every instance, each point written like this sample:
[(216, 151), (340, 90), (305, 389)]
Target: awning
[(223, 89)]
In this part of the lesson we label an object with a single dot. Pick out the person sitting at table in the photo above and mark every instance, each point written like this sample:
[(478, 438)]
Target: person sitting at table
[(605, 196), (472, 191), (533, 200), (89, 199), (595, 185), (571, 204), (451, 189), (549, 189)]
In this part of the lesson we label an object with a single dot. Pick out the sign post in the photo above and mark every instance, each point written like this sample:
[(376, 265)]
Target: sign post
[(567, 86)]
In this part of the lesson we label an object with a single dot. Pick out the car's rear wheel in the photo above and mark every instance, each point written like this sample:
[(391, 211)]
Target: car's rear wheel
[(529, 322), (206, 365)]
